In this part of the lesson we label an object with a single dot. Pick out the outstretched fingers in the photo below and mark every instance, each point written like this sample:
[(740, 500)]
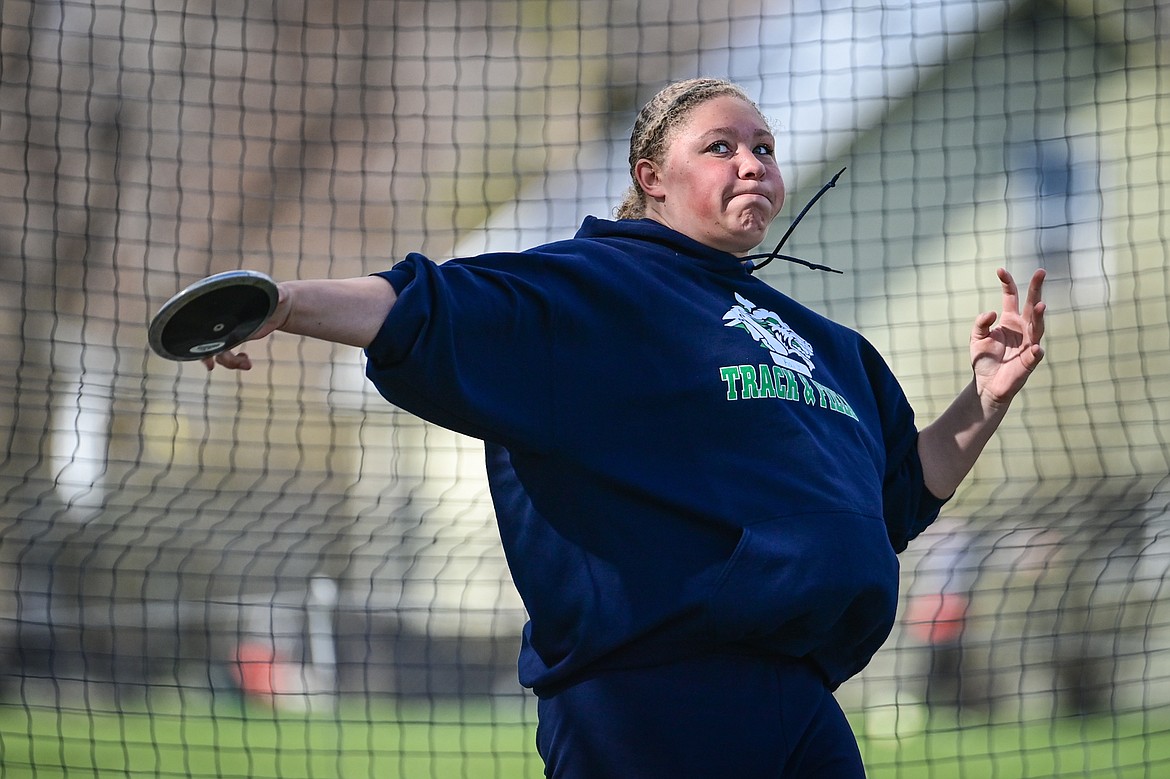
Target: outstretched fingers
[(233, 360), (983, 324), (1030, 316), (1011, 293), (1032, 312), (1034, 307)]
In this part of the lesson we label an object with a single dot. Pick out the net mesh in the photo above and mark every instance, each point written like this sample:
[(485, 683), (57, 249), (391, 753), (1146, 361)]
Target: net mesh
[(278, 574)]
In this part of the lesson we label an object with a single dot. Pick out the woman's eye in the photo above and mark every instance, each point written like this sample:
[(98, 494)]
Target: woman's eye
[(719, 147), (763, 150)]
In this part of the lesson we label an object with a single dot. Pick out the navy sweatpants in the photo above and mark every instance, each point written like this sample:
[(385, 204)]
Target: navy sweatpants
[(724, 716)]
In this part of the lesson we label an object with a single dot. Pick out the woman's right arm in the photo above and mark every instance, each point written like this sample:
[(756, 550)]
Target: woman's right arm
[(344, 311)]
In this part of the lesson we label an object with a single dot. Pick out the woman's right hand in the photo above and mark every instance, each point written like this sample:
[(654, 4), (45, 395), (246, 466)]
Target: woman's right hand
[(239, 361)]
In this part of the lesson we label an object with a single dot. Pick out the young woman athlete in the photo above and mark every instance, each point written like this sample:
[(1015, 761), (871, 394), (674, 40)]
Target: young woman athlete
[(701, 485)]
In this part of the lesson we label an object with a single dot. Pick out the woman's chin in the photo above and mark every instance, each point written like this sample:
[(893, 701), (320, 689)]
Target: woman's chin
[(747, 237)]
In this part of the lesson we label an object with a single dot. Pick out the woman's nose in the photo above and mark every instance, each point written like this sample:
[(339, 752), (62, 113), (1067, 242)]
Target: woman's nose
[(751, 167)]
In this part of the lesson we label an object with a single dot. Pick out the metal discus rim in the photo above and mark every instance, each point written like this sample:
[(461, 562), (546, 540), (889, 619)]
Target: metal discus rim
[(212, 315)]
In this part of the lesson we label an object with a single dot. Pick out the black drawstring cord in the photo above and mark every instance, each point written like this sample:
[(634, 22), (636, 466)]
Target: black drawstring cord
[(752, 267)]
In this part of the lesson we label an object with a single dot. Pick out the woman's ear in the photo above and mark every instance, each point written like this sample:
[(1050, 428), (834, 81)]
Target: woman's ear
[(646, 174)]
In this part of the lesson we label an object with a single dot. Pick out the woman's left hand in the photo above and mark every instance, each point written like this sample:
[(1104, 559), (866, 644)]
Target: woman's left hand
[(1004, 355)]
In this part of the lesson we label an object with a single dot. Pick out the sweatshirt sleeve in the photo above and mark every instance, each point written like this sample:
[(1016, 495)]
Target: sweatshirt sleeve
[(907, 505), (467, 346)]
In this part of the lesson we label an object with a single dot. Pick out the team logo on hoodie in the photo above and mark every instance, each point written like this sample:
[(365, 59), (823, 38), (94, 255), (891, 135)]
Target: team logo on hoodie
[(789, 377), (772, 333)]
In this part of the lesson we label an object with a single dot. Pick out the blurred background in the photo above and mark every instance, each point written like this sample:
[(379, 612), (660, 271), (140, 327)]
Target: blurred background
[(278, 574)]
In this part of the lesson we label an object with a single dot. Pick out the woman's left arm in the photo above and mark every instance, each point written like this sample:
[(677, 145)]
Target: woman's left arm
[(1003, 356)]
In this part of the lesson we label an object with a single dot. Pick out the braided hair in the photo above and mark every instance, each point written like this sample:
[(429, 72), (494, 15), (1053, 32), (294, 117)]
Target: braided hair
[(658, 118)]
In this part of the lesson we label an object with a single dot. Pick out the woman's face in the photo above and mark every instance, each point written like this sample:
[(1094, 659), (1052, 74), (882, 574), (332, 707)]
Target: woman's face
[(718, 181)]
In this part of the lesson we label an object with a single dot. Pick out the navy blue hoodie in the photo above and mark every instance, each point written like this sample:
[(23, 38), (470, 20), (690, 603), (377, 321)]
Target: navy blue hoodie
[(683, 459)]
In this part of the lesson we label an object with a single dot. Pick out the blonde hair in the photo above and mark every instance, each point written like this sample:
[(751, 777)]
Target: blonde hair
[(662, 114)]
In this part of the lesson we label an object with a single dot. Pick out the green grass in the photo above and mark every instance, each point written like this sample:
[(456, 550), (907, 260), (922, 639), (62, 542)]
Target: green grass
[(221, 738), (198, 736), (1131, 746)]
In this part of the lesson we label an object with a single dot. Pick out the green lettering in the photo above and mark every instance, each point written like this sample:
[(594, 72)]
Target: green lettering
[(841, 405), (746, 382), (786, 385), (767, 385), (810, 392), (751, 387), (822, 394), (730, 375), (833, 400)]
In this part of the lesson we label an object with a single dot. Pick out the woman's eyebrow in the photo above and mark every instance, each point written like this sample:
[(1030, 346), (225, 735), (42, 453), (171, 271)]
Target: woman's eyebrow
[(758, 133)]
